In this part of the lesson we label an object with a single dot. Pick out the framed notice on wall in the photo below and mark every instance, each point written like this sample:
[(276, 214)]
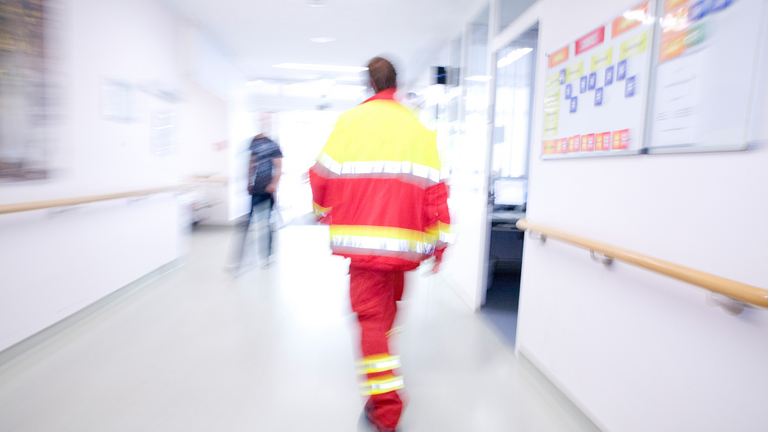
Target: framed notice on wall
[(705, 69), (596, 95)]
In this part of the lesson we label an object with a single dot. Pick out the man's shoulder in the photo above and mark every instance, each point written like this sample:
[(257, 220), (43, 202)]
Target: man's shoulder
[(262, 144), (378, 110)]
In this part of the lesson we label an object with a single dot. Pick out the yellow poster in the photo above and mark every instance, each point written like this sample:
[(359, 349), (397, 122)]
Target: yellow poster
[(574, 71), (552, 97), (550, 129), (551, 114), (633, 46), (602, 60), (553, 81)]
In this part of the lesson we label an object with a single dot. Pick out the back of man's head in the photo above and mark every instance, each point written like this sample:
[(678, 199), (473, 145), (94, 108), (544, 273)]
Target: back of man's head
[(383, 74)]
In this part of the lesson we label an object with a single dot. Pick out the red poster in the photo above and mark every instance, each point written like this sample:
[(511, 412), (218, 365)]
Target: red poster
[(624, 138), (591, 40), (574, 144), (603, 141), (562, 146)]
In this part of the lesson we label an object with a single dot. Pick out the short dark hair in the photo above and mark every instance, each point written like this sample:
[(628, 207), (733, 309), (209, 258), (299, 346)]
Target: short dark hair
[(382, 73)]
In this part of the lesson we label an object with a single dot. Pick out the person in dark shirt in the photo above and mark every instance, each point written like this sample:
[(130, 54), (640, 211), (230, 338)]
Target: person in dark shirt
[(264, 173)]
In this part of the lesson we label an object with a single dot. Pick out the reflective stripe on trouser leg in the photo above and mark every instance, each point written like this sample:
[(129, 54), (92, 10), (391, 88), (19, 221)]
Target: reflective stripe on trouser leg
[(378, 363), (380, 385)]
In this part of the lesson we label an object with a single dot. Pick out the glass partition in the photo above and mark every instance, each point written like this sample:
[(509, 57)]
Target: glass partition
[(515, 71)]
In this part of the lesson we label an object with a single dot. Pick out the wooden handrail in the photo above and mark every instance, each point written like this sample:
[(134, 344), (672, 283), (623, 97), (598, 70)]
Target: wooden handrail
[(735, 290), (37, 205)]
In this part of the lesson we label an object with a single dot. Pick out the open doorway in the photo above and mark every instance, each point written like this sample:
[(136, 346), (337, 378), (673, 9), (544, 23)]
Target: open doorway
[(508, 189)]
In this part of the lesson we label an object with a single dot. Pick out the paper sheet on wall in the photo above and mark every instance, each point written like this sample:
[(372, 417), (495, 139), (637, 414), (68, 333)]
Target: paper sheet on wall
[(704, 74)]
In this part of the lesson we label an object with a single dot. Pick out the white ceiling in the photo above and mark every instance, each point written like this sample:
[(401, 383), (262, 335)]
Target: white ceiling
[(260, 33)]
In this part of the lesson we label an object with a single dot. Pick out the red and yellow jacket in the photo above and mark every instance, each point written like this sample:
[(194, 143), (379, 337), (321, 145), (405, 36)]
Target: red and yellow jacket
[(377, 183)]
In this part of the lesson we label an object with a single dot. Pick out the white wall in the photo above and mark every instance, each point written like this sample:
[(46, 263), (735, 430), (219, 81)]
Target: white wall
[(635, 350), (203, 126), (54, 264)]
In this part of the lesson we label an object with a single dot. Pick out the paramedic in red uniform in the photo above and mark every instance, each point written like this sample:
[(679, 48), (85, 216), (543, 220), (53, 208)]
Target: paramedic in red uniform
[(377, 184)]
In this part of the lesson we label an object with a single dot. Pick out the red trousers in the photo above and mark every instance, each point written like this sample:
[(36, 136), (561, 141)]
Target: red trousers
[(373, 294)]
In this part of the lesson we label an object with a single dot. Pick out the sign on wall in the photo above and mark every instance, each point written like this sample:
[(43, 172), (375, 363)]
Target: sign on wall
[(705, 71), (595, 99)]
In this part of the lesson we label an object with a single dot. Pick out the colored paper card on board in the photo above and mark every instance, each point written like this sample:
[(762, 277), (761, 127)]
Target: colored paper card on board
[(568, 91), (583, 84), (590, 40), (621, 70), (548, 146), (699, 10), (629, 20), (671, 4), (694, 36), (574, 143), (629, 90), (598, 141), (550, 129), (633, 46), (719, 4), (606, 140), (671, 47), (599, 96), (552, 98), (602, 60), (592, 81), (574, 71), (616, 140), (574, 104), (559, 56), (609, 75), (562, 145), (588, 142), (553, 81), (624, 134), (551, 113), (562, 76)]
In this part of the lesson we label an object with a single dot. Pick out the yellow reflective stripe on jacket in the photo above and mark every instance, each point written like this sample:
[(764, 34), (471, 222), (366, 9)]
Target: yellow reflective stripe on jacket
[(382, 238), (378, 363), (379, 167), (320, 211), (382, 385), (442, 231)]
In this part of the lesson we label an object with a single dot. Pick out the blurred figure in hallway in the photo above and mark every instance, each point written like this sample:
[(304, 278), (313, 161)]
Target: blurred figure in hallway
[(264, 172), (377, 184)]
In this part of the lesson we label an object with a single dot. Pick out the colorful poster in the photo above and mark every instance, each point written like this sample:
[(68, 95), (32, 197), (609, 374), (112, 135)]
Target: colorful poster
[(559, 56), (588, 69)]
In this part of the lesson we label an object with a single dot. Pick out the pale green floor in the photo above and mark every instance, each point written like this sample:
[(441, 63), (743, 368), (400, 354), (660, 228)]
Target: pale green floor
[(272, 350)]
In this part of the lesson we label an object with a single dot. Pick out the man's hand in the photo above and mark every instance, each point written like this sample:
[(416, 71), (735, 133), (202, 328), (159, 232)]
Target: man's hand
[(271, 188), (438, 261)]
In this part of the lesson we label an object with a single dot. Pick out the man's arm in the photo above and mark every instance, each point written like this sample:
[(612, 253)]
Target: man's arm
[(439, 220), (272, 186)]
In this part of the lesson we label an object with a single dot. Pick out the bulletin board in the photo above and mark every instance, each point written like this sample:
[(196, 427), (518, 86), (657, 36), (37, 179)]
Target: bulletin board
[(704, 74), (596, 95)]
